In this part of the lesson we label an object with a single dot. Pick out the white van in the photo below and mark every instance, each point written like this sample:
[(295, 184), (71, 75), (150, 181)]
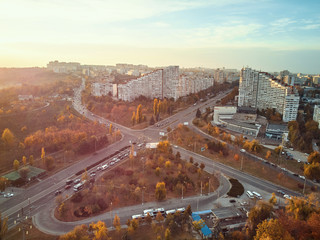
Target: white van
[(257, 195)]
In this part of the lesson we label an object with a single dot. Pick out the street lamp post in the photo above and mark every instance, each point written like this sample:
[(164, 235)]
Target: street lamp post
[(25, 226)]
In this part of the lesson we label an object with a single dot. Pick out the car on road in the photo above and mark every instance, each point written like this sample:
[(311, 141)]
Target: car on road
[(76, 181), (286, 196), (93, 174), (67, 187), (281, 192), (302, 177), (69, 181), (8, 195), (57, 192), (99, 168)]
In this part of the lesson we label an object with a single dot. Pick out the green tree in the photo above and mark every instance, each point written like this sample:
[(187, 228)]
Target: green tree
[(161, 192), (16, 164), (272, 229)]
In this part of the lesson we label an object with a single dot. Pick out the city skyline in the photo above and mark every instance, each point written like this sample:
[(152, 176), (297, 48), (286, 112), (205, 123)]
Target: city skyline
[(265, 35)]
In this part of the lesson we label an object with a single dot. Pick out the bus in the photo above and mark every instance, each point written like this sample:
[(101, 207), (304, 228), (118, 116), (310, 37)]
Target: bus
[(78, 187), (257, 195), (250, 194)]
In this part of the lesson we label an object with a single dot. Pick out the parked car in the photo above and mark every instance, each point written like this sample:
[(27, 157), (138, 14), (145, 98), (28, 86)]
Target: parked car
[(57, 192)]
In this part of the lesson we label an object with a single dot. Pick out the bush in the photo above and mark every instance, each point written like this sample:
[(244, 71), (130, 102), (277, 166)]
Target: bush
[(237, 188), (102, 204), (128, 172)]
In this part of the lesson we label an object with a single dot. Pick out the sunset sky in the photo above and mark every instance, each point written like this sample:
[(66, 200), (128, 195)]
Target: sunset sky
[(271, 35)]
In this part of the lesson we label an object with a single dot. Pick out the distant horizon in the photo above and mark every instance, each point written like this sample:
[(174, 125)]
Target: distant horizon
[(268, 35)]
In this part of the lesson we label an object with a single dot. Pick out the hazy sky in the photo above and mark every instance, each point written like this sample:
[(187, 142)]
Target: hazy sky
[(270, 35)]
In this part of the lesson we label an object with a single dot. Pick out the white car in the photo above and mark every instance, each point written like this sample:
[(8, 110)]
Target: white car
[(8, 195), (286, 196)]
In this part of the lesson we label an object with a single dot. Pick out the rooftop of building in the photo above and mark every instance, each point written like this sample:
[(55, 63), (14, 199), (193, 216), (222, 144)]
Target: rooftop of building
[(277, 127), (241, 124), (227, 212)]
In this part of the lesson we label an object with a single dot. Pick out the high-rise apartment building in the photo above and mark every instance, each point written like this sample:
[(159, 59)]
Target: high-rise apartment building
[(316, 114), (261, 90)]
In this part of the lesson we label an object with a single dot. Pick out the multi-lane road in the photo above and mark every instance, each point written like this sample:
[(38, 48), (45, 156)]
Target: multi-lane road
[(39, 198)]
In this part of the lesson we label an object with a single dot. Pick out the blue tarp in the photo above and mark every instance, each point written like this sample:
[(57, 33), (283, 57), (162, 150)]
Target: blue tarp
[(205, 230)]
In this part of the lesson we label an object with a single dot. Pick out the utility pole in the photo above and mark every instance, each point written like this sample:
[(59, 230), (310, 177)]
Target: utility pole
[(201, 189)]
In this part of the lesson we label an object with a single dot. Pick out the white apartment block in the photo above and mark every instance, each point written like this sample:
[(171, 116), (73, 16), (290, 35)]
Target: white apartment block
[(63, 67), (160, 83), (316, 114), (260, 90)]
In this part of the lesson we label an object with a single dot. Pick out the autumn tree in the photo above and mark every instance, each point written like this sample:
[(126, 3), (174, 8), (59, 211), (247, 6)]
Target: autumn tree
[(268, 154), (272, 229), (167, 234), (312, 171), (202, 166), (43, 155), (236, 157), (16, 164), (24, 160), (24, 172), (3, 226), (198, 113), (99, 230), (139, 114), (314, 157), (155, 107), (110, 129), (278, 149), (160, 192), (116, 223), (78, 233), (168, 164), (3, 183), (31, 160), (300, 208), (198, 225), (256, 215), (273, 199), (8, 138), (159, 217), (133, 118)]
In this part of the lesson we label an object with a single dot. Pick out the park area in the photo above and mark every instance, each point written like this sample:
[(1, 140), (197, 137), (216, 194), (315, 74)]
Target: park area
[(153, 175)]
